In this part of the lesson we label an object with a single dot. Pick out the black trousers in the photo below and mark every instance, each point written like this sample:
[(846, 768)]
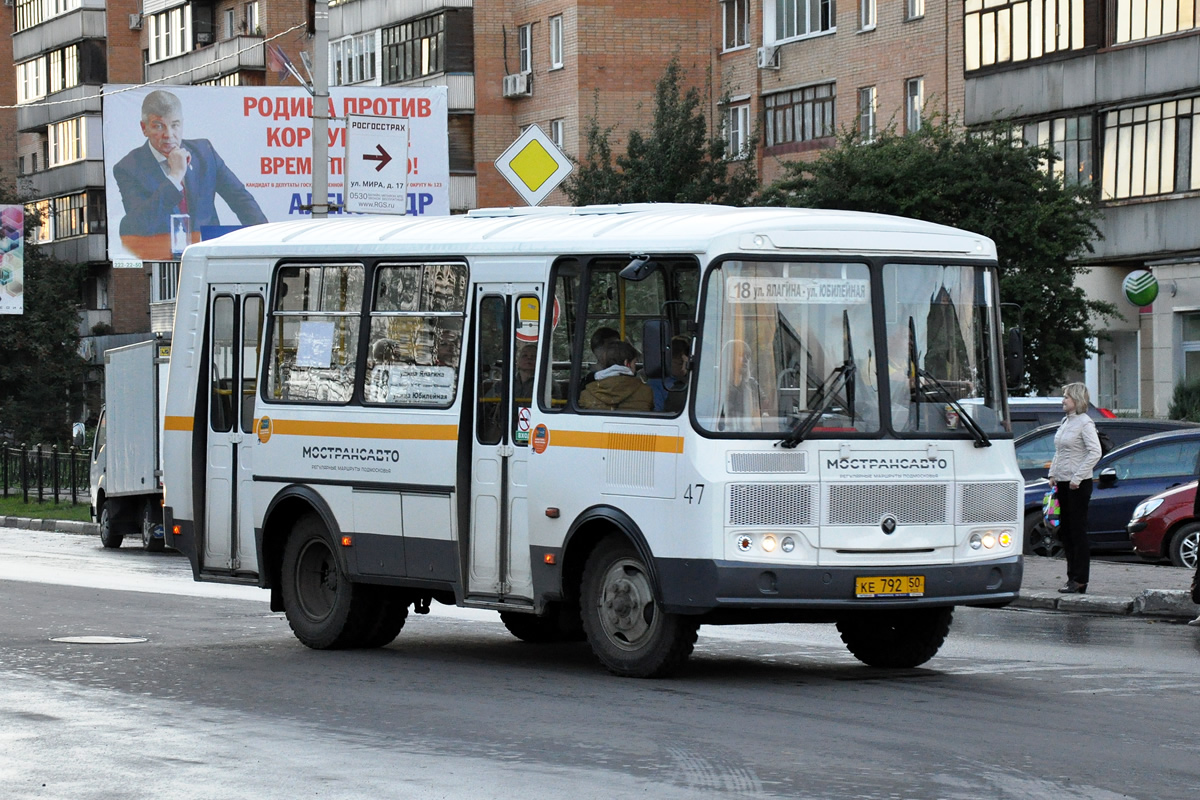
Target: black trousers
[(1072, 528)]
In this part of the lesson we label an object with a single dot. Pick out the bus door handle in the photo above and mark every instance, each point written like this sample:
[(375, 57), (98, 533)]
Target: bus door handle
[(505, 450)]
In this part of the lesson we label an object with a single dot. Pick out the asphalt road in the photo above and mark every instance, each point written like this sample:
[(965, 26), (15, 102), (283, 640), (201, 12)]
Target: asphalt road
[(221, 701)]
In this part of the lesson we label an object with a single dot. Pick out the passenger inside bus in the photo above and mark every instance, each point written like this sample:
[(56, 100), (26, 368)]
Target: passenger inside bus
[(741, 409), (523, 377), (600, 337), (617, 387)]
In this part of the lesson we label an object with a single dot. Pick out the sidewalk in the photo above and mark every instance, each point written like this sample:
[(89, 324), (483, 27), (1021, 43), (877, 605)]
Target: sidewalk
[(1113, 588), (1126, 588)]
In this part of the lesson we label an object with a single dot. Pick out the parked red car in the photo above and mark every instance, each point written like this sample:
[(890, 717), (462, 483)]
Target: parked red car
[(1165, 526)]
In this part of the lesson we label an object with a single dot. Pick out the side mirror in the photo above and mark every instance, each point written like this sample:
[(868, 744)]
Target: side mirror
[(656, 339), (1108, 477), (1014, 358), (77, 434)]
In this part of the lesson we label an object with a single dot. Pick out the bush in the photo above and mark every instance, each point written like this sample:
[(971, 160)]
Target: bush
[(1185, 404)]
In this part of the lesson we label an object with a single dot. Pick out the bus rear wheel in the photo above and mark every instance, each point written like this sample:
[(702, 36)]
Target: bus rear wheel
[(326, 610), (896, 639), (627, 629)]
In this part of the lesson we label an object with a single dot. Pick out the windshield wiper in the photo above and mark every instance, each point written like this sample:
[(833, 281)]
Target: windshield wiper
[(981, 438), (842, 377)]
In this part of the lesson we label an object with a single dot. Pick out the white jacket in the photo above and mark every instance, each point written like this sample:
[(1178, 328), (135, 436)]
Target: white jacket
[(1076, 449)]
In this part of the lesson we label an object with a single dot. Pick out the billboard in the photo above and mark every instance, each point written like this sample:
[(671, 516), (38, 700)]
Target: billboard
[(185, 163), (12, 260)]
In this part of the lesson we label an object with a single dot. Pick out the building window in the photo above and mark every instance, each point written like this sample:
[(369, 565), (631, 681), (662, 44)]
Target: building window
[(556, 132), (252, 24), (1191, 347), (38, 223), (737, 130), (1148, 149), (31, 80), (1143, 19), (352, 60), (556, 42), (70, 216), (414, 49), (736, 16), (795, 18), (169, 33), (914, 103), (1004, 31), (1071, 138), (230, 29), (35, 12), (525, 48), (67, 142), (233, 79), (866, 114), (916, 8), (866, 14), (800, 115)]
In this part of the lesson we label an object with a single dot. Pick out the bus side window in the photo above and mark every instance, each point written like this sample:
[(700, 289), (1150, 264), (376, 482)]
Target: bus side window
[(557, 385)]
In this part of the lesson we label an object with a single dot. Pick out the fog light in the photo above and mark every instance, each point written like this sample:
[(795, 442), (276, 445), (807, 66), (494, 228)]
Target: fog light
[(744, 543), (788, 544), (976, 541), (989, 540), (769, 543), (1005, 539)]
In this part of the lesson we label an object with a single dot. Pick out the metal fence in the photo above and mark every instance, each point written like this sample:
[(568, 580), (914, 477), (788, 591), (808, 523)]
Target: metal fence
[(45, 474)]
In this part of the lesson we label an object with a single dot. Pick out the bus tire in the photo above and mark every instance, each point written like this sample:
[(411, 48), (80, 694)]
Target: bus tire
[(325, 609), (896, 639), (110, 533), (149, 541), (627, 630), (389, 613)]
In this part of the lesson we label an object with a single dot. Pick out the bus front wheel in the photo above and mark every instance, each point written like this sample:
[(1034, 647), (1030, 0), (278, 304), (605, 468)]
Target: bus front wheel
[(627, 630), (326, 610), (896, 639)]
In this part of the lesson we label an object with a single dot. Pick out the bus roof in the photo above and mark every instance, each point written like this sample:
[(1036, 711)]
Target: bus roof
[(640, 227)]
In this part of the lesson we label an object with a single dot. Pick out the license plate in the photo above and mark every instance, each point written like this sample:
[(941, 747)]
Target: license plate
[(890, 586)]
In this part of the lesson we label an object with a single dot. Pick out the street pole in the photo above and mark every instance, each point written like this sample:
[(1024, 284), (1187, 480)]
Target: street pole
[(320, 138)]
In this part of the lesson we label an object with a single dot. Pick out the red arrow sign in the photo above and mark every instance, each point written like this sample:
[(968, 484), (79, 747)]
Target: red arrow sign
[(383, 158)]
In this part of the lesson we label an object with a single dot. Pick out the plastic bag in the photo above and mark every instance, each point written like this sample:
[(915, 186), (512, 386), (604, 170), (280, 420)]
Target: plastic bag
[(1050, 508)]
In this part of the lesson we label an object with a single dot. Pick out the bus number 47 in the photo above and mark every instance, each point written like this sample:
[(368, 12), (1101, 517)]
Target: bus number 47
[(694, 492)]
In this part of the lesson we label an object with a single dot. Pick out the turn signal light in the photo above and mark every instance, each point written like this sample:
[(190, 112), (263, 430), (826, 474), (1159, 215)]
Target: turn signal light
[(550, 559), (177, 530), (347, 541)]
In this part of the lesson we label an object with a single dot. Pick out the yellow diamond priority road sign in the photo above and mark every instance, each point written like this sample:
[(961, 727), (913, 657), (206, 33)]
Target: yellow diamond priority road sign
[(534, 165)]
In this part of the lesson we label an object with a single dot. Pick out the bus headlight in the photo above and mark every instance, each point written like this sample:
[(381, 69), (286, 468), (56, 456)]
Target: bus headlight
[(976, 541), (768, 543), (788, 544), (990, 539)]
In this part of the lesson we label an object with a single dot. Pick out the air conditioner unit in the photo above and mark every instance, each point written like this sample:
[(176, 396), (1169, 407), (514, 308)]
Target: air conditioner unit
[(204, 38), (135, 22), (516, 85), (768, 57)]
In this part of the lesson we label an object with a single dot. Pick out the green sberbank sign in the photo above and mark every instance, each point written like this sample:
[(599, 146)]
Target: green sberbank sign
[(1140, 287)]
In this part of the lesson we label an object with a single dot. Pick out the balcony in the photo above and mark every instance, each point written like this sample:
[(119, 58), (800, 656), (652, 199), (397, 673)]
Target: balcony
[(79, 249), (66, 179), (36, 117), (83, 23), (212, 61)]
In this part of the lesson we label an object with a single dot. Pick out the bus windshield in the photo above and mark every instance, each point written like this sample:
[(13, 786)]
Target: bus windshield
[(793, 346)]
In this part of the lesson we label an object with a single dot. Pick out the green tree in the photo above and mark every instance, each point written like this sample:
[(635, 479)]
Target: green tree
[(41, 372), (676, 162), (985, 183)]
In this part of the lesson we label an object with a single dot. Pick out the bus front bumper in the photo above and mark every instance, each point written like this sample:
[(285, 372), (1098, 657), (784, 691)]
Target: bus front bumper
[(692, 586)]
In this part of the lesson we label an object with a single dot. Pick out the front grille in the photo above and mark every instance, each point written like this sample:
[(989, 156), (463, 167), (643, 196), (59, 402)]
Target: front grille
[(769, 462), (770, 504), (867, 504), (989, 502)]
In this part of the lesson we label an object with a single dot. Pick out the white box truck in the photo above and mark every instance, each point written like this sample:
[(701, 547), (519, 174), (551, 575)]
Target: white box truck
[(126, 469)]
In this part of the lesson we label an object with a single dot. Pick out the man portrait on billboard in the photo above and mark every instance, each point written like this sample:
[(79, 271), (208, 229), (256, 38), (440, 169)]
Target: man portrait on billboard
[(170, 175)]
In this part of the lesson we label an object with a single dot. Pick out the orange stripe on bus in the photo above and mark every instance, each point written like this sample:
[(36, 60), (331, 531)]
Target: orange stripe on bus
[(638, 442), (363, 430), (177, 423)]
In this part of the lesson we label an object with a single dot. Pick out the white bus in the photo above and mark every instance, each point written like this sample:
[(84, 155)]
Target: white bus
[(367, 415)]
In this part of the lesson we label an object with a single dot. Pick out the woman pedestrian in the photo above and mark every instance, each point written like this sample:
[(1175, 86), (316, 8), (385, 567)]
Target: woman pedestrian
[(1076, 451)]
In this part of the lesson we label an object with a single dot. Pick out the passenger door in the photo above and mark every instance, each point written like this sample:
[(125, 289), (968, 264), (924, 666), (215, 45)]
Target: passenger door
[(507, 322), (234, 344)]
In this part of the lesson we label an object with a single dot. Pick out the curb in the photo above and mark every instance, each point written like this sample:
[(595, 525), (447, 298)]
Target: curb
[(1167, 603), (53, 525)]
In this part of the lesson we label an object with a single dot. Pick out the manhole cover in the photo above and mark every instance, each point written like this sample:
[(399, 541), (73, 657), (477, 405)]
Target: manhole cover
[(99, 639)]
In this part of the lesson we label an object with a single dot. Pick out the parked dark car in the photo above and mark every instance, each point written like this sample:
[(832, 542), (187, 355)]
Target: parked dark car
[(1036, 448), (1122, 479), (1027, 413), (1166, 526)]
